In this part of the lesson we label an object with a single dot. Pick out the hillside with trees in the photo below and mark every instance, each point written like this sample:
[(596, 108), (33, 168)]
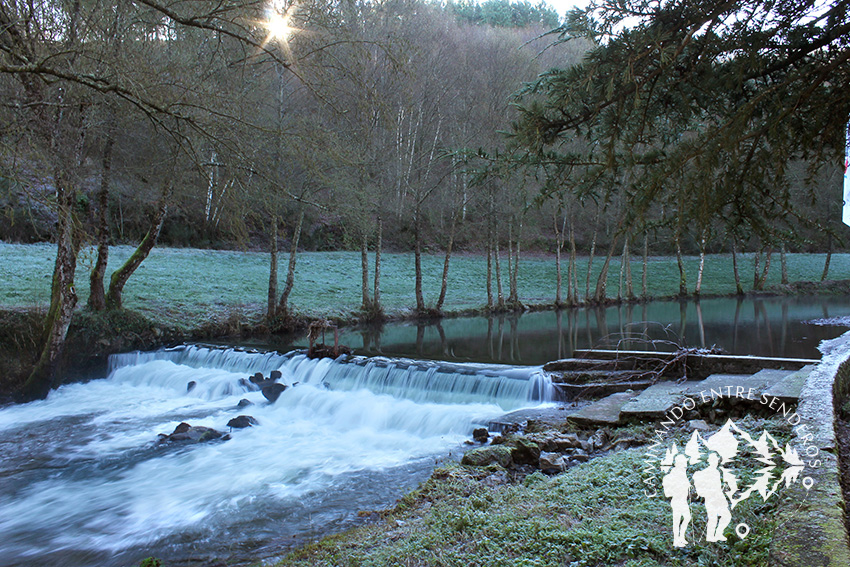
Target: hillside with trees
[(416, 127)]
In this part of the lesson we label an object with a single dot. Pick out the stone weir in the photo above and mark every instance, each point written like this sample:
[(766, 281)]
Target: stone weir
[(598, 373), (609, 388)]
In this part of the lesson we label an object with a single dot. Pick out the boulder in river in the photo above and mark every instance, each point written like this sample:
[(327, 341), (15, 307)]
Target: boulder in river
[(480, 435), (191, 386), (273, 391), (244, 403), (242, 421), (275, 375), (185, 433), (257, 378)]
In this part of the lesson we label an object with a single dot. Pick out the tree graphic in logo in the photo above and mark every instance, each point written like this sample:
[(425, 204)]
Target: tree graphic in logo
[(714, 479)]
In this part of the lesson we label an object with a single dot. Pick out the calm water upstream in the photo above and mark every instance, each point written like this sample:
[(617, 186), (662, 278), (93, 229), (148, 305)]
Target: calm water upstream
[(83, 482), (774, 326)]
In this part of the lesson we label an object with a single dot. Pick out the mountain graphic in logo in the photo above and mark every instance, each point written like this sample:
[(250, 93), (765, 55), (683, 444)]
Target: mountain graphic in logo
[(714, 478)]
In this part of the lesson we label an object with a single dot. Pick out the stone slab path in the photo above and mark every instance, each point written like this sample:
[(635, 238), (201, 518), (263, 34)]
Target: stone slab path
[(653, 402)]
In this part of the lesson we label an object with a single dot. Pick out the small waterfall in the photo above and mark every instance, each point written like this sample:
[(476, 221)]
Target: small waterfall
[(509, 387)]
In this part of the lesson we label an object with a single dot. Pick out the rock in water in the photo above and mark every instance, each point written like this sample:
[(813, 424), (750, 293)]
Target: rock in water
[(191, 386), (185, 433), (480, 435), (273, 391), (275, 375), (257, 378), (242, 421), (244, 403)]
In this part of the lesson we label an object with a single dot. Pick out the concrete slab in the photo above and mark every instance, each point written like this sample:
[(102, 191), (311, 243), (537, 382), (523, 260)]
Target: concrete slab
[(654, 402), (788, 389), (757, 381), (602, 412), (552, 416)]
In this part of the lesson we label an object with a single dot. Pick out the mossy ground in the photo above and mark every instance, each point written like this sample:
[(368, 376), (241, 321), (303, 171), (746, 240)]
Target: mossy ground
[(594, 514)]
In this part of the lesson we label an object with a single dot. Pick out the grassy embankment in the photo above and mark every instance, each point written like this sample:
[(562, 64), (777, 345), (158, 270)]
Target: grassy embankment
[(191, 288), (593, 514), (180, 293)]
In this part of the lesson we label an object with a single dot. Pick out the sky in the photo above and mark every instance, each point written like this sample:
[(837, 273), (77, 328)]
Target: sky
[(562, 6)]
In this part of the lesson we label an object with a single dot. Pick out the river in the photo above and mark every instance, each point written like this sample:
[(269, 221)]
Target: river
[(84, 482)]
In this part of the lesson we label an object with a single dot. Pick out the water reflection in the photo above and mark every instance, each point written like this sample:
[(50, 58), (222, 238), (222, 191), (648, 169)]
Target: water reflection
[(778, 326)]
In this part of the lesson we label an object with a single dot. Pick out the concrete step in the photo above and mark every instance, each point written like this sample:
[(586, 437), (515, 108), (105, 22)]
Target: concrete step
[(654, 402), (572, 364), (579, 377), (788, 389), (602, 412)]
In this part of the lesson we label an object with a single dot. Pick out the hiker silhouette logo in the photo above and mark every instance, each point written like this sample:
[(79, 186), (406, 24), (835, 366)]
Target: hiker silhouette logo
[(721, 471)]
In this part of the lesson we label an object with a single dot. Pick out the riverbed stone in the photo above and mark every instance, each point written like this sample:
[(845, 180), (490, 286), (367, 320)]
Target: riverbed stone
[(551, 462), (491, 454), (257, 378), (273, 391), (480, 435), (191, 386), (525, 452), (275, 375), (244, 403), (242, 421), (185, 433)]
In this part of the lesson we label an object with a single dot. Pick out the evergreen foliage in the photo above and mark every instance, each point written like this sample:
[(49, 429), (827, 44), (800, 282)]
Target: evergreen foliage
[(696, 109)]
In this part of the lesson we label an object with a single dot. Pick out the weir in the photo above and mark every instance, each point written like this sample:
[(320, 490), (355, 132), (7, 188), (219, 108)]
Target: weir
[(509, 387)]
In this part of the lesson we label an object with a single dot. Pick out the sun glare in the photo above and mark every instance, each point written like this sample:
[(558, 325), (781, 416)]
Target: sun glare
[(278, 26)]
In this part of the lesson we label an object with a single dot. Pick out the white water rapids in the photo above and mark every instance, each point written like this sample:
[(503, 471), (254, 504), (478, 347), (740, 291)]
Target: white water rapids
[(83, 482)]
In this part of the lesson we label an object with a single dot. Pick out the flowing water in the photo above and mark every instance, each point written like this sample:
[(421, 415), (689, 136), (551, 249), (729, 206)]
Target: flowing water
[(83, 482)]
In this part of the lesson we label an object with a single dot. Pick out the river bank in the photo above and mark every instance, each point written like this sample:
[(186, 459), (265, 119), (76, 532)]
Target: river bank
[(94, 336)]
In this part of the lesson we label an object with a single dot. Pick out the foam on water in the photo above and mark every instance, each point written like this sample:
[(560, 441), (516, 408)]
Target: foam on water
[(83, 478)]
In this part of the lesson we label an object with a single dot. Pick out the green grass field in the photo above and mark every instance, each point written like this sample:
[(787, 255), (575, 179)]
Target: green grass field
[(189, 286)]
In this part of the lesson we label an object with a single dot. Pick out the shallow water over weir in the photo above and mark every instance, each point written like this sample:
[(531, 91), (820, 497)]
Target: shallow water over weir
[(83, 482)]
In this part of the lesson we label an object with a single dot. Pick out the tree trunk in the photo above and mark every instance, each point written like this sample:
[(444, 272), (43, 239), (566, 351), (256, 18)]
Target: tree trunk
[(643, 277), (417, 258), (784, 262), (271, 311), (599, 296), (500, 298), (376, 301), (511, 298), (592, 252), (683, 282), (120, 276), (828, 258), (445, 282), (364, 272), (559, 243), (573, 268), (698, 287), (63, 297), (97, 295), (514, 299), (283, 304), (739, 289), (757, 269), (627, 262), (764, 273), (489, 269)]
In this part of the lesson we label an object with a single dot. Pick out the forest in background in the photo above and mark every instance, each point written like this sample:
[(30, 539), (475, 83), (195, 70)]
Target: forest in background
[(418, 126)]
